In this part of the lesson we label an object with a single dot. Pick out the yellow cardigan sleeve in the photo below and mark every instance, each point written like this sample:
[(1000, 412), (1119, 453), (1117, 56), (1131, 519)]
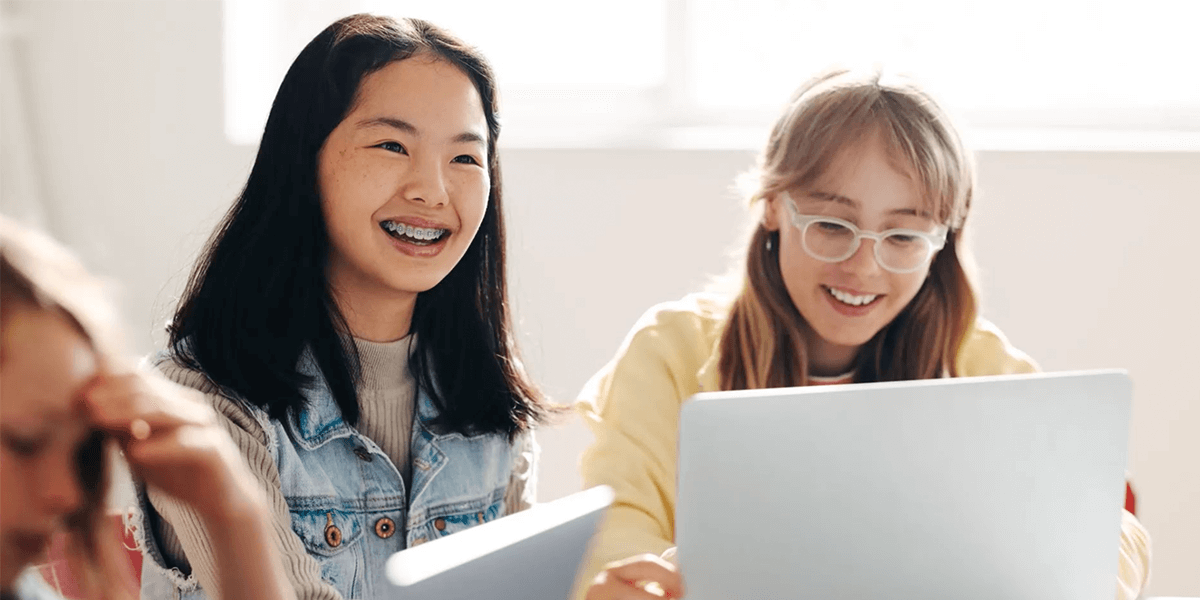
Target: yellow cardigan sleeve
[(632, 406), (987, 352)]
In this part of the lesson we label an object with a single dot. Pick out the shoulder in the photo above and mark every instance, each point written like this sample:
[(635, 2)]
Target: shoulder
[(986, 351), (172, 367), (671, 339), (693, 318), (233, 412)]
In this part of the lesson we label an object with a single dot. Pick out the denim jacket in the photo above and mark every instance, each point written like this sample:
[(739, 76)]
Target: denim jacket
[(348, 501)]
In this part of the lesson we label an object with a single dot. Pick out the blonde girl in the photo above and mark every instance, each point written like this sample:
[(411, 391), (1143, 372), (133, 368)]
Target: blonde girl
[(856, 271)]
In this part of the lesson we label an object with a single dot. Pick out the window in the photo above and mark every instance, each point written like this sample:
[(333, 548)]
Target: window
[(715, 72)]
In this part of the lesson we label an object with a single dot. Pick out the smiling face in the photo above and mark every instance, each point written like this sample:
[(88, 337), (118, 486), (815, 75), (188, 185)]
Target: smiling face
[(846, 303), (44, 363), (404, 186)]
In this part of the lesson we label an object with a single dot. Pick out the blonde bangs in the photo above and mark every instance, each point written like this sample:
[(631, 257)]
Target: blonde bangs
[(838, 111)]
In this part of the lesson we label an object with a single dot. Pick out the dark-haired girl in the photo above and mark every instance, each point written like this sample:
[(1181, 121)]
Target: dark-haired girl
[(349, 318)]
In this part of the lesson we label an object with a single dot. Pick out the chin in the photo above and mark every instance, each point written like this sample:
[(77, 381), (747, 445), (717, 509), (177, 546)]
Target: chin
[(416, 284), (848, 337)]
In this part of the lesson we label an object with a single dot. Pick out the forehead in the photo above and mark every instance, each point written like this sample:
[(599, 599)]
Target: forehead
[(421, 88), (873, 178), (44, 361)]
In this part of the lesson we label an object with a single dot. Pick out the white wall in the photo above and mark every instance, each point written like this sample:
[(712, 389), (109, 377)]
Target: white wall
[(1087, 258)]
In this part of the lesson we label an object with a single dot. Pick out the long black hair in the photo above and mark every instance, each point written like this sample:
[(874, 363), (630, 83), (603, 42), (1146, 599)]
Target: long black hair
[(259, 295)]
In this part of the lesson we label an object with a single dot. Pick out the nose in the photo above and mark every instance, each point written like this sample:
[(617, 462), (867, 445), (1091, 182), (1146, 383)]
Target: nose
[(60, 488), (426, 183), (863, 261)]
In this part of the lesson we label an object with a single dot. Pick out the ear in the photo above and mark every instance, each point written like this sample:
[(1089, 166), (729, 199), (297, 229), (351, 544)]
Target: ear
[(772, 215)]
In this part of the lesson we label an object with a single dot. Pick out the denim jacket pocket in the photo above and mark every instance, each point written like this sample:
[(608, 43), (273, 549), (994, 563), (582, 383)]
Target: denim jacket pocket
[(332, 536), (458, 517)]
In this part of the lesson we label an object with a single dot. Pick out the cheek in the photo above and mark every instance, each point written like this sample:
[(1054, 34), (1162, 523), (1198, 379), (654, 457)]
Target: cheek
[(472, 202), (905, 287), (799, 270), (344, 186), (13, 501)]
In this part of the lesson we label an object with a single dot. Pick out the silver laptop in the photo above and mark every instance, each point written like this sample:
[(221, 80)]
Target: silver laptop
[(1005, 487), (533, 555)]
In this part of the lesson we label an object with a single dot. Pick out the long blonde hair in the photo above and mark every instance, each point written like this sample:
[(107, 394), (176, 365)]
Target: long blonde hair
[(764, 341)]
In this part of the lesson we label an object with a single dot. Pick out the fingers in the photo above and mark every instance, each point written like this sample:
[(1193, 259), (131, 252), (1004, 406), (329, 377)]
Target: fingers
[(644, 577), (201, 467), (179, 448), (137, 404)]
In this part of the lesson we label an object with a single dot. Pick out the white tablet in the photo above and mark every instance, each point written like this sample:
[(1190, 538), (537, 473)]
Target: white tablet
[(533, 555)]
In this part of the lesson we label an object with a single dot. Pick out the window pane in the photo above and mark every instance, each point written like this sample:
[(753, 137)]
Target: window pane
[(552, 59), (555, 44), (1103, 57)]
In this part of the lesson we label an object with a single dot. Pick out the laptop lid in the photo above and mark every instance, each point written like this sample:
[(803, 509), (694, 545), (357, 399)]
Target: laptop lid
[(534, 554), (1004, 487)]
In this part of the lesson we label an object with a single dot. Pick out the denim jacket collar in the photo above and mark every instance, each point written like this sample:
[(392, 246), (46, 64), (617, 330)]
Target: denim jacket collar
[(321, 422)]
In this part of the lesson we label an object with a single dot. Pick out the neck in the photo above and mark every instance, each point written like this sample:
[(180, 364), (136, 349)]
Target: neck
[(377, 317), (830, 360)]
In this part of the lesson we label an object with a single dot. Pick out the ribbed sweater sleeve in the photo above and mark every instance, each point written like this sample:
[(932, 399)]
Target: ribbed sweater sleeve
[(184, 539)]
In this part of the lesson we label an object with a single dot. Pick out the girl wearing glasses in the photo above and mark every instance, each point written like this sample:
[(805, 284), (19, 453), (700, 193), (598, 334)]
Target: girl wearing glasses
[(855, 272)]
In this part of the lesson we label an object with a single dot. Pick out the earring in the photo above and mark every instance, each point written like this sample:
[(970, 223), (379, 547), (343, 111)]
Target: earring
[(770, 244)]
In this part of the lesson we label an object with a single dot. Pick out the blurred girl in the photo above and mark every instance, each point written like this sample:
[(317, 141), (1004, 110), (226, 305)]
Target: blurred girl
[(68, 393)]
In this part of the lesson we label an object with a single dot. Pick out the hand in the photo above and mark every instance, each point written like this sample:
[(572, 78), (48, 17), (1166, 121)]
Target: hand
[(642, 577), (173, 442)]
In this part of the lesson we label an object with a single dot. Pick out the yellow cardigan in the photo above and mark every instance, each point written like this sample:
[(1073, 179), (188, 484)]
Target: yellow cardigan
[(632, 406)]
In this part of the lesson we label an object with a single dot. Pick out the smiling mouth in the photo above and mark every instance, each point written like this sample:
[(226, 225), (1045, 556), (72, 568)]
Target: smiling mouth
[(418, 236), (850, 299)]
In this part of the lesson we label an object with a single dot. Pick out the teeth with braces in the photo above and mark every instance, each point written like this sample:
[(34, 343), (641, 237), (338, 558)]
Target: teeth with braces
[(416, 233), (851, 299)]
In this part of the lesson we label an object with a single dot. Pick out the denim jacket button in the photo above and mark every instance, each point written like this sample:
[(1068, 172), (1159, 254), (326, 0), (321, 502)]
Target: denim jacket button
[(480, 515), (333, 535), (385, 527), (440, 524), (362, 454)]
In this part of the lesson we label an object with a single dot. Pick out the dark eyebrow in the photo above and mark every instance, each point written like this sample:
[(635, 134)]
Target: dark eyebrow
[(852, 203), (466, 137), (469, 137), (394, 123)]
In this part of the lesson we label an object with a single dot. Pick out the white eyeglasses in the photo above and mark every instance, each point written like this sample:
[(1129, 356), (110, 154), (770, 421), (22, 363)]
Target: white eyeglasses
[(831, 239)]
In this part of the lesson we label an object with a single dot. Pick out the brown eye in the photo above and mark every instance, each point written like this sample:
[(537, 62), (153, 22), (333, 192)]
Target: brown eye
[(393, 147)]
